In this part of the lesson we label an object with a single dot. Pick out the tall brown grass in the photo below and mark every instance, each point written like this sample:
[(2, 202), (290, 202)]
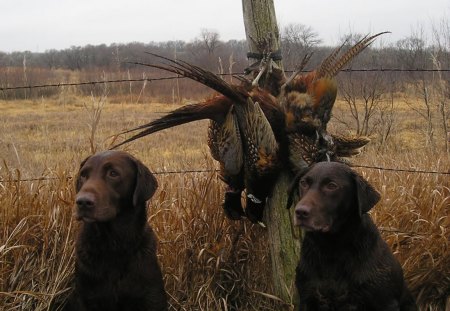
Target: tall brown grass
[(209, 262)]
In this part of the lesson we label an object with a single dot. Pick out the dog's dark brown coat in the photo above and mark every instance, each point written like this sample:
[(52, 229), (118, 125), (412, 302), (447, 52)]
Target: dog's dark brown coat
[(116, 263), (344, 265)]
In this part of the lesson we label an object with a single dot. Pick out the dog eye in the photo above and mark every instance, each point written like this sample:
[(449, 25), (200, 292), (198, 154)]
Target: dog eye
[(332, 186), (113, 173), (304, 183)]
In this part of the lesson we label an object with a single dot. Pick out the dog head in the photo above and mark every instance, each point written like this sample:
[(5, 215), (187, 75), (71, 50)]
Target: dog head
[(109, 183), (330, 193)]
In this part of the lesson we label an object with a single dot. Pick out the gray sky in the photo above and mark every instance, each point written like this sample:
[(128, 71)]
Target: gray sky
[(38, 25)]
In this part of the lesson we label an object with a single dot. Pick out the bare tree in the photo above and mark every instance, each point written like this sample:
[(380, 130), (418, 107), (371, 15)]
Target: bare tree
[(363, 95), (412, 50), (203, 49), (298, 40), (301, 35), (75, 58), (387, 118), (50, 58), (210, 39)]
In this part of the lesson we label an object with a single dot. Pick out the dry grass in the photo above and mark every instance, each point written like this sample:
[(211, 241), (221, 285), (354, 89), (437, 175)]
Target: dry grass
[(413, 216), (209, 262)]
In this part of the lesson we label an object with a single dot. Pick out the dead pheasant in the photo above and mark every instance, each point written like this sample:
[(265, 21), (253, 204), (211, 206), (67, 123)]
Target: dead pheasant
[(307, 101), (253, 134), (241, 138)]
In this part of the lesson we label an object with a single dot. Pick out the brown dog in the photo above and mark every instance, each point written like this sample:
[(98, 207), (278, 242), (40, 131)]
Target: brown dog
[(116, 264), (344, 265)]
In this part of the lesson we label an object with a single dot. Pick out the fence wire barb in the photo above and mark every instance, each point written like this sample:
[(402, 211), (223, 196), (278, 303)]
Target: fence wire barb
[(9, 88), (43, 178)]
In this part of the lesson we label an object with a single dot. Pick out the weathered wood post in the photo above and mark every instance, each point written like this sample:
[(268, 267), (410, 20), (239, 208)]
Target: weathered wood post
[(284, 239)]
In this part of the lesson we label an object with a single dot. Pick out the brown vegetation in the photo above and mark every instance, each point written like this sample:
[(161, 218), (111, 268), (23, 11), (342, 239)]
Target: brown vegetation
[(209, 262)]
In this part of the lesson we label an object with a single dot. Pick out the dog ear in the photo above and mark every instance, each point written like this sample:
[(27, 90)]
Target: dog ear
[(146, 184), (293, 186), (77, 178), (366, 194)]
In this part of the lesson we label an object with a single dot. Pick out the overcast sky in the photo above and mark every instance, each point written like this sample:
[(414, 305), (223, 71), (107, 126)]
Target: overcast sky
[(39, 25)]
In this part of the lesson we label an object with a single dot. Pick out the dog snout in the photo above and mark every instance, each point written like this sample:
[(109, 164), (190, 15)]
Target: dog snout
[(302, 212), (85, 201)]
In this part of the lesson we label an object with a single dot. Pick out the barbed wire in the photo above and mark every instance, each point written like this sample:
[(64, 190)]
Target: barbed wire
[(86, 83), (400, 169), (62, 84), (44, 178), (395, 70), (410, 233)]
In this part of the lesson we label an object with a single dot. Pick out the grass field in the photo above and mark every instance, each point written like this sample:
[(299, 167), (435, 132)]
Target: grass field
[(209, 262)]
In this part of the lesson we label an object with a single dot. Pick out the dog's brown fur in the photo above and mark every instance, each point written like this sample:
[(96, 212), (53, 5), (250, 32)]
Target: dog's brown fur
[(344, 265), (116, 263)]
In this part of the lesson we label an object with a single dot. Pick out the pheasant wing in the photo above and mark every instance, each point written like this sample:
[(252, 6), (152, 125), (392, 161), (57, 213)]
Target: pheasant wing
[(261, 156), (224, 141)]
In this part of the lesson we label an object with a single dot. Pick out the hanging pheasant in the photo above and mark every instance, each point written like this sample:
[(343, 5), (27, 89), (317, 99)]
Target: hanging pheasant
[(307, 101), (241, 138), (254, 132)]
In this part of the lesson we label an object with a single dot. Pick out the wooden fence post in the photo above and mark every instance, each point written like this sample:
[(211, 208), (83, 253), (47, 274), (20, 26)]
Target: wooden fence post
[(284, 238)]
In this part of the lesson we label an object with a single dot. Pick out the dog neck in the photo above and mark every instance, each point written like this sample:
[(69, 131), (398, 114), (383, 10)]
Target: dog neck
[(121, 234)]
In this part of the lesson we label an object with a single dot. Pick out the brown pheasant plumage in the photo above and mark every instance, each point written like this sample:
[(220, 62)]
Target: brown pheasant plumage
[(255, 132), (307, 102), (225, 144), (239, 116)]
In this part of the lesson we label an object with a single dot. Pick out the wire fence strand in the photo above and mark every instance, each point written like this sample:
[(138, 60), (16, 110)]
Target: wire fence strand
[(46, 178), (86, 83), (400, 169), (62, 84)]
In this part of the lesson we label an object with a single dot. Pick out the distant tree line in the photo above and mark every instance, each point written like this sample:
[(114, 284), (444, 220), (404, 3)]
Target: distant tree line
[(208, 51), (411, 52)]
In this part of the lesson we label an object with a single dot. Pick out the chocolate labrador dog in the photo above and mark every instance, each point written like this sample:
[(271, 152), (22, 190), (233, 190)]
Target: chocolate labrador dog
[(344, 265), (116, 264)]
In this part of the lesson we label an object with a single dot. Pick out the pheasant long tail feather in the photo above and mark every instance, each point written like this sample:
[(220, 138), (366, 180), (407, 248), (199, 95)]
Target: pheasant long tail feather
[(327, 65), (332, 67), (352, 52), (212, 109), (200, 75)]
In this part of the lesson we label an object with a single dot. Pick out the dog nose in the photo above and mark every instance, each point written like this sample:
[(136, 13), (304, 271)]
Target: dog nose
[(302, 212), (85, 202)]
